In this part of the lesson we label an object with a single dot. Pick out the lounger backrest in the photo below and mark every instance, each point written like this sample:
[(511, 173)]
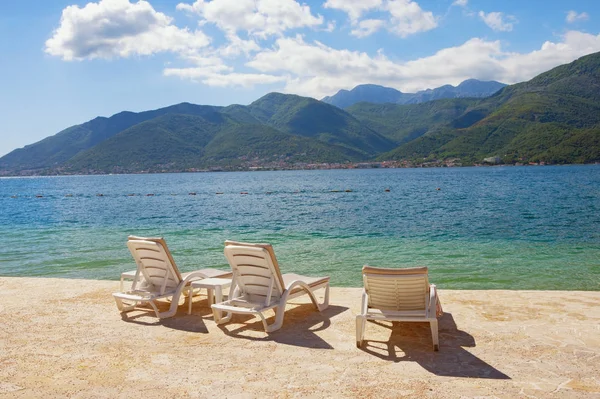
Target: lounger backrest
[(396, 289), (255, 270), (154, 264)]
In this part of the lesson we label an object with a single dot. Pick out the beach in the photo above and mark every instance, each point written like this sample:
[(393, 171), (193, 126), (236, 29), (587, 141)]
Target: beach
[(65, 338)]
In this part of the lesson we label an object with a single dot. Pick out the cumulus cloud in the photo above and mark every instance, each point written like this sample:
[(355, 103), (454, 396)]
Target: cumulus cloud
[(408, 18), (354, 8), (218, 79), (573, 16), (498, 21), (118, 28), (236, 46), (405, 17), (367, 27), (460, 3), (320, 70), (259, 18), (314, 69)]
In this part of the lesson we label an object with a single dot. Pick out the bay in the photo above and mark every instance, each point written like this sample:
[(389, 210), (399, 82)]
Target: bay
[(475, 228)]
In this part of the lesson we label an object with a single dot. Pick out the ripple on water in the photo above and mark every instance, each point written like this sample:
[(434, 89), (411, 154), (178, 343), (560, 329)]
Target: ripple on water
[(518, 228)]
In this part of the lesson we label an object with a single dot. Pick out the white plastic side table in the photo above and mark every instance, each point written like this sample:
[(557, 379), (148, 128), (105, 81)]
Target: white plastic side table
[(214, 288), (130, 275)]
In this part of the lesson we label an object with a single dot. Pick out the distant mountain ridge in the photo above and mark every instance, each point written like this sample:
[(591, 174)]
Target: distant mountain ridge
[(553, 118), (379, 94)]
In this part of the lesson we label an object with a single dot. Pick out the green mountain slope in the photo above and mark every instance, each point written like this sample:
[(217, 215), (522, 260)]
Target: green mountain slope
[(268, 145), (403, 123), (53, 151), (276, 126), (538, 120), (167, 142), (182, 142), (308, 117)]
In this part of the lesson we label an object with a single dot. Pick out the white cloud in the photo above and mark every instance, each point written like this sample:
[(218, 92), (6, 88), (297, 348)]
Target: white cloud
[(210, 78), (118, 28), (573, 16), (405, 16), (330, 26), (314, 69), (237, 46), (259, 18), (408, 18), (319, 70), (520, 67), (367, 27), (354, 8), (460, 3), (497, 21)]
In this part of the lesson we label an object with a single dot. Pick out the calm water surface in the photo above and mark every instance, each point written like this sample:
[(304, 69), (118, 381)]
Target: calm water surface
[(485, 228)]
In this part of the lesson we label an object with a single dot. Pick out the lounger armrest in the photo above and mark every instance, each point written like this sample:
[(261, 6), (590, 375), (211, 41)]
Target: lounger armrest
[(294, 283), (431, 311), (194, 276), (365, 303)]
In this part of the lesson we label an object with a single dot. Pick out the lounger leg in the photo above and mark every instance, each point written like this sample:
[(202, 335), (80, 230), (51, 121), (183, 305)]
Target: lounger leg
[(325, 303), (279, 313), (123, 308), (211, 297), (361, 322), (218, 298), (225, 319), (320, 306), (434, 334)]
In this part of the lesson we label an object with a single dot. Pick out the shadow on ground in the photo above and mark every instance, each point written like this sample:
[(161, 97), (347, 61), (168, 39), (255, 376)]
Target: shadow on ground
[(411, 342), (144, 315), (299, 326)]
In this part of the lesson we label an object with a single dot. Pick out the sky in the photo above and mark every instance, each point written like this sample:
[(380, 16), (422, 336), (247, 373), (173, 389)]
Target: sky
[(64, 62)]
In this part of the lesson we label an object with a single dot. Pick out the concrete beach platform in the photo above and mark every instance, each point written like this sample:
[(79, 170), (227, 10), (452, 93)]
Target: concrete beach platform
[(65, 338)]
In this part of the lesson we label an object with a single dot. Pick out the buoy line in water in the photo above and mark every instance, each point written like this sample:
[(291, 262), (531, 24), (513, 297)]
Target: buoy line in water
[(192, 193)]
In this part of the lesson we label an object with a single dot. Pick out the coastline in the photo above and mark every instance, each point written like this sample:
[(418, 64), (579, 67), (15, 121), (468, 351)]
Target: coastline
[(65, 337), (292, 167)]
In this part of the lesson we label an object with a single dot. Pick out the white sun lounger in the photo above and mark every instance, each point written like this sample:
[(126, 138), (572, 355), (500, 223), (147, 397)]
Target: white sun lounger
[(157, 277), (258, 284), (398, 295)]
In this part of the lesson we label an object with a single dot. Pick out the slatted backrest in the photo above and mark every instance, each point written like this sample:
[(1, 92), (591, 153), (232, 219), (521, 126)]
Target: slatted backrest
[(397, 289), (161, 241), (154, 265), (254, 272)]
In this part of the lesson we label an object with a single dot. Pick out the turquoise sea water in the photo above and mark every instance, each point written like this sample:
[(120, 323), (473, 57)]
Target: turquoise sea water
[(485, 228)]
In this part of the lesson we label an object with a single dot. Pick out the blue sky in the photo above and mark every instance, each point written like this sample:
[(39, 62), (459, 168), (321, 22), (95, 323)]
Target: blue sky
[(66, 62)]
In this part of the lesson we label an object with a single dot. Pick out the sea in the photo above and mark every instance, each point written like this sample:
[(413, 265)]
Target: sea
[(518, 228)]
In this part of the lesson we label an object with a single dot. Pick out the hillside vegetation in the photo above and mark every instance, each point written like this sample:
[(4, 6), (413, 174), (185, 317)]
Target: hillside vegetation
[(543, 120)]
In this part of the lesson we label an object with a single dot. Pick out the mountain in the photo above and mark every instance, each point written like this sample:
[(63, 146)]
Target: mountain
[(53, 151), (276, 128), (308, 117), (403, 123), (380, 94), (175, 142), (554, 117), (366, 93)]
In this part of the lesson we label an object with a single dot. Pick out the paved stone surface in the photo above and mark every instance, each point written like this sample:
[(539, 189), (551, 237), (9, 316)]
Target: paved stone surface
[(65, 338)]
